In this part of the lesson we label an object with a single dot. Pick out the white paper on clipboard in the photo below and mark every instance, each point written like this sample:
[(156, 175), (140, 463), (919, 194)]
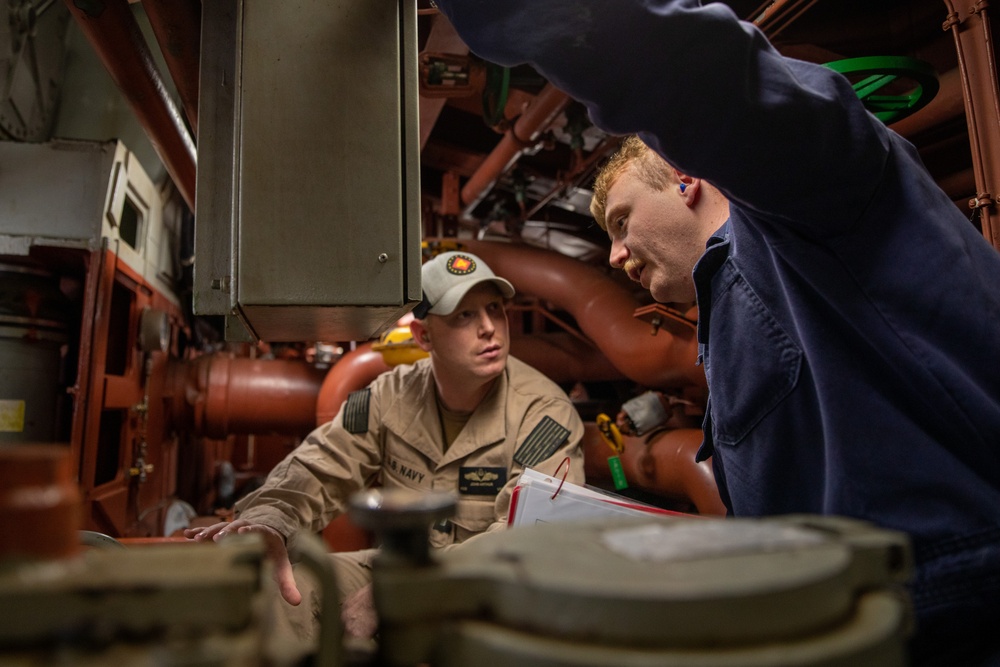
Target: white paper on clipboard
[(532, 502)]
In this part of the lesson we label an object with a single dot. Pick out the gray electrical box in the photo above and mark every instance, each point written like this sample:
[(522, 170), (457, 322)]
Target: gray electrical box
[(308, 209)]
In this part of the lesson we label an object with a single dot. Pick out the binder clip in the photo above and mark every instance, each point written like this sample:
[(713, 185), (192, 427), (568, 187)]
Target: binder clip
[(613, 437)]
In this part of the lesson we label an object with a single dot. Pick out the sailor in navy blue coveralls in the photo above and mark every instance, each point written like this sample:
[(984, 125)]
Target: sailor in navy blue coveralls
[(849, 314)]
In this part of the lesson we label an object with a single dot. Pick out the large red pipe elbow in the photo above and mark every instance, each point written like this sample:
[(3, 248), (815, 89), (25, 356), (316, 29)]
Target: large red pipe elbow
[(355, 370), (603, 309)]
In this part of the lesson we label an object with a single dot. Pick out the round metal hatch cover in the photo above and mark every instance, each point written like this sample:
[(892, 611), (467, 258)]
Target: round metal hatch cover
[(679, 582)]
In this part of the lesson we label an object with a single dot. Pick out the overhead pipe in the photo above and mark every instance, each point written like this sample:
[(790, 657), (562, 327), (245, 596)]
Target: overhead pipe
[(216, 395), (564, 358), (537, 118), (177, 26), (114, 34), (959, 184), (604, 311), (977, 64)]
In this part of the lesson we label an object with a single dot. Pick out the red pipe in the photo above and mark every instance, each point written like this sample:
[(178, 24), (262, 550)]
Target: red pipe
[(604, 311), (114, 34), (217, 395), (664, 464), (355, 370), (545, 108), (177, 26), (564, 358)]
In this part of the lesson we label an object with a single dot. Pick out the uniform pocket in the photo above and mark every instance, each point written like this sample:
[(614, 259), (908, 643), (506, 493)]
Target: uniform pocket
[(752, 364), (474, 516)]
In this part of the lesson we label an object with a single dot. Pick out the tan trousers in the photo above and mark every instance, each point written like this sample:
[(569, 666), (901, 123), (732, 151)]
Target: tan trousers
[(353, 572)]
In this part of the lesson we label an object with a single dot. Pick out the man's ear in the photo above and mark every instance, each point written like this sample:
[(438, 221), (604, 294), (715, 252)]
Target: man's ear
[(688, 187), (418, 329)]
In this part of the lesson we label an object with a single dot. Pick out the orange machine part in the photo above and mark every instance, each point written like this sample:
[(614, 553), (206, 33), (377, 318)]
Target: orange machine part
[(40, 508)]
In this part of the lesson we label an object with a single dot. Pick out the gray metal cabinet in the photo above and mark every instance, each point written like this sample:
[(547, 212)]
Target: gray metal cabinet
[(308, 213)]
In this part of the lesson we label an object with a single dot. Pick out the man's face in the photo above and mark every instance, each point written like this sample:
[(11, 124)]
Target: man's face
[(656, 237), (473, 341)]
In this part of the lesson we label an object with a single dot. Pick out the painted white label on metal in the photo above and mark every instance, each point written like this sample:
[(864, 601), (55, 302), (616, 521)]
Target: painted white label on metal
[(705, 538), (11, 416)]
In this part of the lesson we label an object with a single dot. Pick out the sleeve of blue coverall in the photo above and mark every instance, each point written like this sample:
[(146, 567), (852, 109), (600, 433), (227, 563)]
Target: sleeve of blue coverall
[(782, 137)]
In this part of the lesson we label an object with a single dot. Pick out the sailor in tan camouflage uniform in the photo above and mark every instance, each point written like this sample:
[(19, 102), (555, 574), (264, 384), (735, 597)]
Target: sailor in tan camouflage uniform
[(467, 419)]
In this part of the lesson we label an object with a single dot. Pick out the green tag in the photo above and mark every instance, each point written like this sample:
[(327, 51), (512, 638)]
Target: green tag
[(617, 472)]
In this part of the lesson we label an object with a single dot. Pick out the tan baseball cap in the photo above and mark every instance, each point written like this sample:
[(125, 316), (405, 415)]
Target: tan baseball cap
[(449, 276)]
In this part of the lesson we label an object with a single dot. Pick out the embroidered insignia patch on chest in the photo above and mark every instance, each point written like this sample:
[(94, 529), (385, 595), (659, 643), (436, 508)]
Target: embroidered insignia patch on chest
[(542, 442), (481, 481), (356, 411)]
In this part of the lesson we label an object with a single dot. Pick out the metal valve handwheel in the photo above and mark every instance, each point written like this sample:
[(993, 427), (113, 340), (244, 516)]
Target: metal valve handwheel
[(891, 87)]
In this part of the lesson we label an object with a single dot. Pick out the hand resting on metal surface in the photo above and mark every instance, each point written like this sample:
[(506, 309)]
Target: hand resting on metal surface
[(274, 544)]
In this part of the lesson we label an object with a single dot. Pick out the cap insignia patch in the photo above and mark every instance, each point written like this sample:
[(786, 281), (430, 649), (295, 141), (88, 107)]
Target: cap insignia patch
[(461, 265)]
